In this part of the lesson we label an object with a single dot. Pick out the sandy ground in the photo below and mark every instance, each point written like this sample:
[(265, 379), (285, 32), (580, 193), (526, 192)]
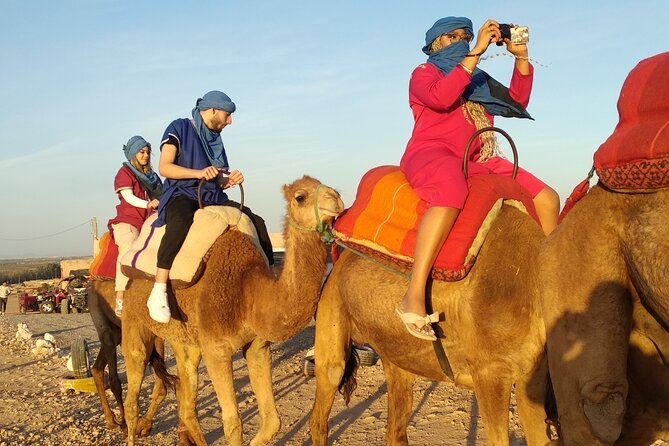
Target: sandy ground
[(35, 411)]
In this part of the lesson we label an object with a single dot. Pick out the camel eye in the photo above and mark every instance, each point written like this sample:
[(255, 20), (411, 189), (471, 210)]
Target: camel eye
[(300, 197)]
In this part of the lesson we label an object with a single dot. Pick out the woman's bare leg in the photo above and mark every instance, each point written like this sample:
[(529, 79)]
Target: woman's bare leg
[(547, 205), (432, 232)]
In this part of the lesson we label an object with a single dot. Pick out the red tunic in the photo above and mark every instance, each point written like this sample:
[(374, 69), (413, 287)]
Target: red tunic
[(432, 161), (125, 212)]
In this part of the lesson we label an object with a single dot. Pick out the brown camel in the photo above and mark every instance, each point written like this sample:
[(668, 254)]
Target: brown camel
[(237, 304), (101, 301), (491, 331), (606, 306)]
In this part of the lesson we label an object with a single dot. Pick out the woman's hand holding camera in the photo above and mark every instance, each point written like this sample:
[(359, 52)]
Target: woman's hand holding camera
[(489, 33)]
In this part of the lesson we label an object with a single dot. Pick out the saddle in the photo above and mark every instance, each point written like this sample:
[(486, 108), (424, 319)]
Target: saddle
[(635, 158), (189, 264), (383, 221)]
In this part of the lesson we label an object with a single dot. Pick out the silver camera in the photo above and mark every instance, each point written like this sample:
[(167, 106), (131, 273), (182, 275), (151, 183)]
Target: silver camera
[(516, 34)]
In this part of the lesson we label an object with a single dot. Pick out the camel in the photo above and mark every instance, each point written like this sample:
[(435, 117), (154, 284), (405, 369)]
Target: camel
[(239, 303), (605, 293), (606, 309), (491, 330), (101, 303)]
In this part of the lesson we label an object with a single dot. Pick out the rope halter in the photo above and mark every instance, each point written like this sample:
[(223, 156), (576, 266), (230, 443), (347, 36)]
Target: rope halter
[(323, 229)]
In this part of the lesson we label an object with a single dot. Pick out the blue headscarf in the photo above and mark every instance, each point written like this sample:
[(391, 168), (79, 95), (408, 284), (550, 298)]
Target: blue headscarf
[(491, 94), (212, 142), (150, 180)]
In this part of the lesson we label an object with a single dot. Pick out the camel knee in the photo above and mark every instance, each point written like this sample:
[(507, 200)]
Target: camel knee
[(335, 374), (604, 407)]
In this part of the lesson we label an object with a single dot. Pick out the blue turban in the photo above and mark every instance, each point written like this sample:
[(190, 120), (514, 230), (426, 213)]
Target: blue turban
[(216, 99), (446, 25), (134, 145)]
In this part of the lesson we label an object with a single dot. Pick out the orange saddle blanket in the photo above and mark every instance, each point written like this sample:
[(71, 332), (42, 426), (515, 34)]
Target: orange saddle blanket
[(383, 220), (104, 264)]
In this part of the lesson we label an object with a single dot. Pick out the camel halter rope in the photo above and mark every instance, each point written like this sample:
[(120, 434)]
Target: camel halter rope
[(324, 230)]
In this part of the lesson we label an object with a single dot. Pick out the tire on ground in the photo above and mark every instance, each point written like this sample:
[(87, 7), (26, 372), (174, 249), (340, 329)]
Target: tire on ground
[(65, 306), (80, 363), (47, 307)]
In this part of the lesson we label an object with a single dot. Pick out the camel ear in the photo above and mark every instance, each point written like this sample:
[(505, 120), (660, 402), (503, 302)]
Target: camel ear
[(286, 192)]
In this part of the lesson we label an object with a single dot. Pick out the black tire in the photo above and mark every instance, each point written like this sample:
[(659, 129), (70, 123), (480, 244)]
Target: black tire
[(309, 368), (47, 307), (65, 306), (80, 363), (367, 356)]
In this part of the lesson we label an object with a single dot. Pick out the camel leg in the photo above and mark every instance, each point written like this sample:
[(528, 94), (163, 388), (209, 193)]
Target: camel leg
[(493, 394), (98, 372), (530, 398), (219, 365), (157, 395), (332, 347), (137, 344), (259, 361), (188, 360), (400, 403)]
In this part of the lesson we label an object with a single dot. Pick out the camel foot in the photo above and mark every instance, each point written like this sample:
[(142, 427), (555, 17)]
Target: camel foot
[(113, 425), (267, 432), (144, 427)]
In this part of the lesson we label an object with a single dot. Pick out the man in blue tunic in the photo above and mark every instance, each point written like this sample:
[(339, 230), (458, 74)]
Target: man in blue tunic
[(192, 149)]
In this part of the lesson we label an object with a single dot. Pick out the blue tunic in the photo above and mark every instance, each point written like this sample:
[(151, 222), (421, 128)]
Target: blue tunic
[(190, 154)]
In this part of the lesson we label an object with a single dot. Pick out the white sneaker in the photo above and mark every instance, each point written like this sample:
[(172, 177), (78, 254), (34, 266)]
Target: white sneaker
[(119, 307), (159, 310)]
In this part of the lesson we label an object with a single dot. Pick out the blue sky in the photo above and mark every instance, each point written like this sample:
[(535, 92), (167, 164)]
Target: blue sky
[(320, 88)]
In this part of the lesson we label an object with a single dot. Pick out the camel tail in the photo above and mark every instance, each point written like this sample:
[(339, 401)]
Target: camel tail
[(550, 406), (348, 380), (160, 369)]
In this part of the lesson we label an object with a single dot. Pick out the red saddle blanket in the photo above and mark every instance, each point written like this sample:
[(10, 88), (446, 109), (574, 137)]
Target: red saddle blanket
[(636, 156), (383, 220), (104, 264)]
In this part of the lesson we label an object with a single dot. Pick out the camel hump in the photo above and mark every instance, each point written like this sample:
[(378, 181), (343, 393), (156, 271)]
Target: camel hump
[(209, 223), (383, 220)]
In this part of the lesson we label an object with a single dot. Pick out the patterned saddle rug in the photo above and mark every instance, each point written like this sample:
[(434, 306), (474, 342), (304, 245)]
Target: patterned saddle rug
[(189, 264), (383, 221)]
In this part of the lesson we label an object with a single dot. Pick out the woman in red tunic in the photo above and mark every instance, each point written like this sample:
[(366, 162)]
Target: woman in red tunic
[(450, 99), (138, 188)]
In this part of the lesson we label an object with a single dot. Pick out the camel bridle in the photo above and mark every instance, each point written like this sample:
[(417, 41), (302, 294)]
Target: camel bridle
[(323, 229)]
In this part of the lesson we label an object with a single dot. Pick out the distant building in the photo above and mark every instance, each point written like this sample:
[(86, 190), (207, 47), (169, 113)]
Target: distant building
[(69, 265)]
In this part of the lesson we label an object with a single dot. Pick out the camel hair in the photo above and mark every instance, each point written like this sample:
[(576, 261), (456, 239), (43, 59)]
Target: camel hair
[(605, 300), (491, 331), (239, 303)]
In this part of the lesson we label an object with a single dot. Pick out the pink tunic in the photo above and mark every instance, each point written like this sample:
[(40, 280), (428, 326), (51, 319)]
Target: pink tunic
[(432, 161)]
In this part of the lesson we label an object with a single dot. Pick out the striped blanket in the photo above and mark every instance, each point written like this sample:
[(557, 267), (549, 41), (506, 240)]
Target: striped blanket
[(383, 220)]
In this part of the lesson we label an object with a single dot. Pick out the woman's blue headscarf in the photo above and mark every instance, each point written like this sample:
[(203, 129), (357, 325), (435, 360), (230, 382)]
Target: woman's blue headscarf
[(150, 180), (212, 142), (483, 89)]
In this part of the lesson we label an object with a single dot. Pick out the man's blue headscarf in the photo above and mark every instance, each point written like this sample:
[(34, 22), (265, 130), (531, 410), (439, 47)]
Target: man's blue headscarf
[(483, 89), (212, 142), (150, 180)]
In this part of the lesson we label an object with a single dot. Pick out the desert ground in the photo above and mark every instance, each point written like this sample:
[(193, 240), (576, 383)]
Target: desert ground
[(34, 410)]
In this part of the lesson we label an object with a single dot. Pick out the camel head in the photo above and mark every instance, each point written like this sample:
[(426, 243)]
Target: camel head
[(311, 205)]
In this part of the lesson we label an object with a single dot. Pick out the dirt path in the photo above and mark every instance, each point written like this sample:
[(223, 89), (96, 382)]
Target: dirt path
[(34, 410)]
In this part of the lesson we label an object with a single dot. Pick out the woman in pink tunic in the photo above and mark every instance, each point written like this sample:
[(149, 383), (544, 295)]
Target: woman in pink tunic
[(451, 99)]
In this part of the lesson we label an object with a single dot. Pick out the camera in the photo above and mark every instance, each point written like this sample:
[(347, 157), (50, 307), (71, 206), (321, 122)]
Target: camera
[(516, 34)]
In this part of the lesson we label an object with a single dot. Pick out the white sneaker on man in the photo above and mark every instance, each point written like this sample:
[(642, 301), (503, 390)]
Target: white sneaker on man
[(159, 309)]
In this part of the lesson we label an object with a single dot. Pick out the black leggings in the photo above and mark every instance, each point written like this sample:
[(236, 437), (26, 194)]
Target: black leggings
[(3, 304), (179, 212)]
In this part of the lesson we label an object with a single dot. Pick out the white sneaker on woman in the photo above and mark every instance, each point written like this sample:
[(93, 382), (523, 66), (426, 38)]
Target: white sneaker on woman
[(159, 310)]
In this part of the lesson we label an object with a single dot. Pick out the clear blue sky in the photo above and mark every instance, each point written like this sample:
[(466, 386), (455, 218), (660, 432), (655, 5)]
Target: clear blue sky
[(320, 88)]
